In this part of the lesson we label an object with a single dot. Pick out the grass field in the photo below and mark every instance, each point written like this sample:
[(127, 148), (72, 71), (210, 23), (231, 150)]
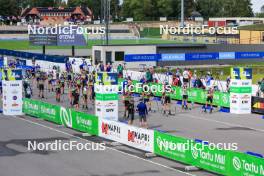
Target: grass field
[(24, 45)]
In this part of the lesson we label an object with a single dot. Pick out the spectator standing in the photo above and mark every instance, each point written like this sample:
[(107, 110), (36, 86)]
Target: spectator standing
[(142, 111), (120, 70)]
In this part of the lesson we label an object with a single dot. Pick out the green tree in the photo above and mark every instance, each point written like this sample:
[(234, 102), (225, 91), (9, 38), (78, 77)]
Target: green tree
[(9, 8), (115, 9)]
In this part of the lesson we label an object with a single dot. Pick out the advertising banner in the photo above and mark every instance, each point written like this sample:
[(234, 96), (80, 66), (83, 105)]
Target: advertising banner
[(43, 39), (31, 107), (142, 57), (85, 122), (240, 103), (227, 55), (112, 130), (249, 55), (71, 39), (12, 97), (212, 160), (106, 78), (242, 164), (139, 138), (201, 56), (106, 95), (49, 112), (240, 90), (63, 36), (106, 109), (241, 73), (172, 57), (172, 147), (69, 118), (258, 105)]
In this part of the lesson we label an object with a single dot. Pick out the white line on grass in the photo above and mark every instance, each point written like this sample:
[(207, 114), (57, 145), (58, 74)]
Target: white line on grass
[(68, 134)]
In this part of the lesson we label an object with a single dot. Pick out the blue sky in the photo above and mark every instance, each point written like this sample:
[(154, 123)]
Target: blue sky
[(257, 4)]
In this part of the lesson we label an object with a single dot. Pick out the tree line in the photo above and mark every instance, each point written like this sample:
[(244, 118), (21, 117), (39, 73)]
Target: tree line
[(141, 9)]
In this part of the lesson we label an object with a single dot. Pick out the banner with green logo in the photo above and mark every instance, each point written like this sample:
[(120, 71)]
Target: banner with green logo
[(106, 97), (210, 159), (244, 165), (85, 122), (224, 162), (50, 112), (31, 107), (172, 147), (68, 117)]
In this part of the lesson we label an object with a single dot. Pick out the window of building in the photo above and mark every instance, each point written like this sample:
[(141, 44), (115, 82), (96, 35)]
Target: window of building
[(119, 56), (97, 56)]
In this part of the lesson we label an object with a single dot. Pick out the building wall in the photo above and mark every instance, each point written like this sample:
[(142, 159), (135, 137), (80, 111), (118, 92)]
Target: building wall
[(129, 49), (251, 37)]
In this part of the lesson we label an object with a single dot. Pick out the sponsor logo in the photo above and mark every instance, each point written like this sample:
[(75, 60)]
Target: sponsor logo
[(258, 105), (110, 129), (237, 163), (109, 110), (210, 157), (66, 117), (14, 97), (234, 96), (98, 109), (138, 137), (15, 105), (14, 85), (195, 153), (241, 165), (83, 121), (225, 99), (111, 104)]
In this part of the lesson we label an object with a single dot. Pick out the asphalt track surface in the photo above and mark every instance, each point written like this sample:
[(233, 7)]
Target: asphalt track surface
[(16, 159)]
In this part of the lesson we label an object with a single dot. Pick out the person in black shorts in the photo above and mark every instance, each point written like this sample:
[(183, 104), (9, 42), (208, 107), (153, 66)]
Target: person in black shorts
[(131, 112), (58, 90), (41, 85), (76, 94), (127, 98), (85, 96), (166, 103), (184, 96), (209, 100)]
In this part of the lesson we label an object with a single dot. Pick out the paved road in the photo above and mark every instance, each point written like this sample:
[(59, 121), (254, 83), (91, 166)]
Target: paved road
[(17, 160)]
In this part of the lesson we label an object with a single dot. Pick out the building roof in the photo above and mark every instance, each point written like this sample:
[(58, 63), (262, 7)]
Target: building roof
[(76, 10)]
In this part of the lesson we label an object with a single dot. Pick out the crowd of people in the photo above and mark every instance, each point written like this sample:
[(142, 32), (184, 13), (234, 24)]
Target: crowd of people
[(80, 88)]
